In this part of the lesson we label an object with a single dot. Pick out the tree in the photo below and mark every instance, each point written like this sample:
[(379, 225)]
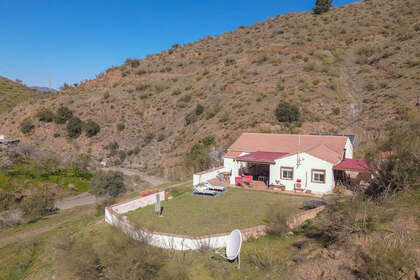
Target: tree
[(74, 127), (286, 112), (65, 86), (26, 126), (322, 6), (109, 183), (91, 128), (63, 115)]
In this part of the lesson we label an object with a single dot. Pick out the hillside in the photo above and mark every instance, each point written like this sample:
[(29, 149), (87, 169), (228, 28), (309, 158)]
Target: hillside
[(351, 70), (13, 93)]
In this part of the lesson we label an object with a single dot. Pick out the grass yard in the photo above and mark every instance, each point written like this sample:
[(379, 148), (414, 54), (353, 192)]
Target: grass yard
[(196, 215)]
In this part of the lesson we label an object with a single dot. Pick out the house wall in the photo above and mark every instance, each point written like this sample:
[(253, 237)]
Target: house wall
[(303, 172)]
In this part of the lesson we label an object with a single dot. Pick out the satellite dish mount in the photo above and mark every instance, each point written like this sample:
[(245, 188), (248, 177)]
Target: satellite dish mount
[(233, 247)]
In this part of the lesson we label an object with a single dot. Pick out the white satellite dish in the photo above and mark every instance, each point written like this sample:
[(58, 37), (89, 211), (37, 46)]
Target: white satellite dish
[(233, 247)]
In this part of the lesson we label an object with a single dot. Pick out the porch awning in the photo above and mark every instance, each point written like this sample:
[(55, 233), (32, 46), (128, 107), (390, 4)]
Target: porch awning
[(261, 157), (348, 164)]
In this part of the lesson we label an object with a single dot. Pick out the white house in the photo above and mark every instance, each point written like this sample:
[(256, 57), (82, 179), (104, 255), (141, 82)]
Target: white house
[(292, 162)]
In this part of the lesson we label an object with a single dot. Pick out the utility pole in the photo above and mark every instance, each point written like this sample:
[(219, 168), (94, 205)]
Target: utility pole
[(49, 81)]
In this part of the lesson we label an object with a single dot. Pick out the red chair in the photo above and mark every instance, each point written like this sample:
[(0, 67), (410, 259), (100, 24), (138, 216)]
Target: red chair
[(238, 180), (248, 180)]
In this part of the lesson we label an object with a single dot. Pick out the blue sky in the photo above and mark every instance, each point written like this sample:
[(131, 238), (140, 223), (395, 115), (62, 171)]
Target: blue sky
[(72, 40)]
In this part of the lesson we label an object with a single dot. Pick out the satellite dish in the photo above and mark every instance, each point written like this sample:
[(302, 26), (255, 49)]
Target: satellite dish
[(233, 247)]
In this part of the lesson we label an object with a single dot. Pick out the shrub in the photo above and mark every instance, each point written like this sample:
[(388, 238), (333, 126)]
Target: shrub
[(277, 223), (190, 118), (286, 112), (198, 157), (63, 115), (132, 62), (400, 170), (38, 205), (199, 109), (26, 126), (79, 258), (74, 127), (336, 111), (45, 115), (120, 126), (7, 200), (109, 183), (322, 6), (341, 219), (91, 128)]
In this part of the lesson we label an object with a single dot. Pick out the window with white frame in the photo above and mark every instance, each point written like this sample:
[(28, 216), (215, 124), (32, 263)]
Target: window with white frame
[(287, 173), (318, 176)]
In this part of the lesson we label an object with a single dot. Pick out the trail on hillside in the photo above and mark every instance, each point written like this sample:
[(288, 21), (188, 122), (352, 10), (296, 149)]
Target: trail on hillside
[(352, 91), (31, 233), (153, 180)]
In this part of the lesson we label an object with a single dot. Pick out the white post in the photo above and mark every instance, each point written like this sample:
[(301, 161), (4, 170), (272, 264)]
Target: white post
[(158, 210), (235, 172), (239, 260)]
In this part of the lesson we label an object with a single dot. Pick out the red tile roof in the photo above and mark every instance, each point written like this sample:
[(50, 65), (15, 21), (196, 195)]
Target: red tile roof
[(232, 154), (353, 165), (264, 157), (328, 148)]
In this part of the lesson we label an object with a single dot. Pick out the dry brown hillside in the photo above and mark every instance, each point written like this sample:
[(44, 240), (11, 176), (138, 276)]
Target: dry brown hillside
[(350, 70)]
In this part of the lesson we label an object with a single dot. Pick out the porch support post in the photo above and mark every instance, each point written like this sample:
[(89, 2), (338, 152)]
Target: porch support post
[(235, 172)]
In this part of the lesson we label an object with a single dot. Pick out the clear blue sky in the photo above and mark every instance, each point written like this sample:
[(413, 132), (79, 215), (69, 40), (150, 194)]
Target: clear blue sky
[(73, 40)]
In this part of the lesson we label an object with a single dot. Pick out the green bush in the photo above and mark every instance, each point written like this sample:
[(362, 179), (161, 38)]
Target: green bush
[(74, 127), (26, 126), (322, 6), (120, 126), (45, 115), (38, 205), (336, 111), (110, 184), (91, 128), (198, 157), (199, 109), (63, 115), (286, 112)]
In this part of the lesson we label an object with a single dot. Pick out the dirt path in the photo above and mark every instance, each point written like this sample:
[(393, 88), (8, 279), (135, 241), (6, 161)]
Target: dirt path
[(153, 180), (87, 198), (33, 232), (78, 200)]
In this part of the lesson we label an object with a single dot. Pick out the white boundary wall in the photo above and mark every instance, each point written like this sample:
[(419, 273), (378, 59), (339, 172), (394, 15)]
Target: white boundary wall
[(162, 240), (179, 242), (204, 176)]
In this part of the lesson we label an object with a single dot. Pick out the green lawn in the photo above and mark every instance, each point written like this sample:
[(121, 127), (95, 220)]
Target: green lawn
[(196, 215)]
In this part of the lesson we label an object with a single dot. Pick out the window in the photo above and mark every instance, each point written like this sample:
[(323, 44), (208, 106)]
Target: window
[(286, 173), (318, 176)]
